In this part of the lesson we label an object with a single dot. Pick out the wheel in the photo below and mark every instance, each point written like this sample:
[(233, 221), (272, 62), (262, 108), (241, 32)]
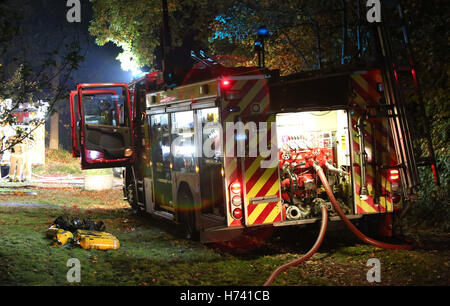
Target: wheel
[(130, 192), (4, 170), (131, 197), (186, 213)]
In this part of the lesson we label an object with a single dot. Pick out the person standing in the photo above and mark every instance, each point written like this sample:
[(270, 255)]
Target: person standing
[(17, 158), (5, 133), (27, 159)]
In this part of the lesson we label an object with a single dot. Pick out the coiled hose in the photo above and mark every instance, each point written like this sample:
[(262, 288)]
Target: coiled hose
[(323, 227)]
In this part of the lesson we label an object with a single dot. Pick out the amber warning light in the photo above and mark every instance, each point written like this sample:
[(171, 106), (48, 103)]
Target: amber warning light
[(236, 188)]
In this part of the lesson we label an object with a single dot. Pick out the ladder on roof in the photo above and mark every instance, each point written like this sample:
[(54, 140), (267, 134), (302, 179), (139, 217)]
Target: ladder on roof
[(411, 128)]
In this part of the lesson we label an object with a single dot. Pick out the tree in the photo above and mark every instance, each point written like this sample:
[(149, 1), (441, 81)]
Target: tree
[(428, 29), (304, 34), (37, 59), (136, 26), (430, 48)]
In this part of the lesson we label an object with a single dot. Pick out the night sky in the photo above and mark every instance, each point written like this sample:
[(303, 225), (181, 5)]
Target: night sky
[(100, 64), (44, 27), (46, 20)]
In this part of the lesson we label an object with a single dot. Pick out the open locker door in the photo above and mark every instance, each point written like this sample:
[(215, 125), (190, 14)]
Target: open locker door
[(105, 125), (261, 177)]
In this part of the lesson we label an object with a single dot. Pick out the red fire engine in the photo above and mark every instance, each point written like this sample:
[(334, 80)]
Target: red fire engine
[(351, 124)]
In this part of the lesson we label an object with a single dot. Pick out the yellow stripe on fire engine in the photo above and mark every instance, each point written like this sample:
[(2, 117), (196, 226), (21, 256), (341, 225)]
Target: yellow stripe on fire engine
[(231, 165), (239, 84), (361, 82), (255, 213), (245, 101), (251, 94), (383, 140), (250, 171), (253, 167), (273, 214), (260, 183), (359, 101), (386, 183), (387, 186), (262, 178), (389, 207), (269, 219), (274, 189), (257, 162), (364, 206)]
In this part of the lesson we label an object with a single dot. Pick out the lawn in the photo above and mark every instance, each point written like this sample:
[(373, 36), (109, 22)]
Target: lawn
[(154, 252), (58, 162)]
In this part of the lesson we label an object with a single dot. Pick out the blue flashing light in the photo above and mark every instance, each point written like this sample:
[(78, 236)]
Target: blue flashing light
[(262, 31)]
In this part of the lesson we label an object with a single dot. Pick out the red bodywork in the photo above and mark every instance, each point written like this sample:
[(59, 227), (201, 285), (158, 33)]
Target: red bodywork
[(73, 120), (86, 161)]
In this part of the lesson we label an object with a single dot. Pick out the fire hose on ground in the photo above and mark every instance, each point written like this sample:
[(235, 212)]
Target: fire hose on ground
[(323, 227), (310, 253)]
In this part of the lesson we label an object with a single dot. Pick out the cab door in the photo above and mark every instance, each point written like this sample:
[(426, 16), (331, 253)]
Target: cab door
[(105, 126), (74, 124), (211, 170), (161, 160), (75, 118)]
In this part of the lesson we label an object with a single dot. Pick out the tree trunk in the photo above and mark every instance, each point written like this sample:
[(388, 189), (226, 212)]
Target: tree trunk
[(54, 119), (54, 132)]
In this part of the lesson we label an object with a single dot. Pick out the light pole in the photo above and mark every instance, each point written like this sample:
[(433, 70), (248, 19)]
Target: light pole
[(259, 45)]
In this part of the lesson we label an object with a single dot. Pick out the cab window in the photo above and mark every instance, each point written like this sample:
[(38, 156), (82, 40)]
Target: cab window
[(183, 149)]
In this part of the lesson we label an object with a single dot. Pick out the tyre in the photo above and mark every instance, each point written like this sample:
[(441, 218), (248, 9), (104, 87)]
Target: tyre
[(4, 170), (186, 214), (118, 172), (132, 197), (130, 192)]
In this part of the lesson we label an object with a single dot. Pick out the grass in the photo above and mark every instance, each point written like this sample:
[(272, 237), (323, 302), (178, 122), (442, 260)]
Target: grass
[(58, 162), (153, 252), (98, 172)]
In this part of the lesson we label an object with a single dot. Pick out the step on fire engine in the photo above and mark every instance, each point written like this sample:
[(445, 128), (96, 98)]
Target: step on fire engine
[(350, 123)]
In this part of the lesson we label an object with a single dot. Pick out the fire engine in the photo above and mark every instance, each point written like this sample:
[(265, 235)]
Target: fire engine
[(26, 117), (351, 123)]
